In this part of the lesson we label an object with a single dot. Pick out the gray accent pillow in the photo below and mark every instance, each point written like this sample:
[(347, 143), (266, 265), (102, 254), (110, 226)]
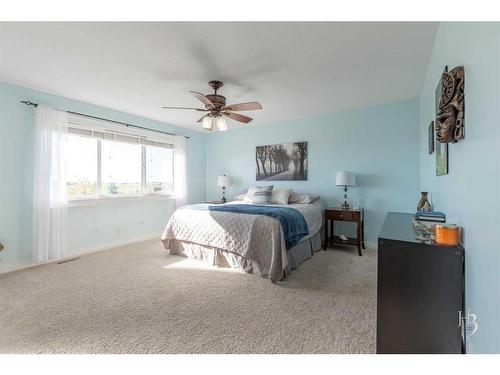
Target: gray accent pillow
[(259, 194)]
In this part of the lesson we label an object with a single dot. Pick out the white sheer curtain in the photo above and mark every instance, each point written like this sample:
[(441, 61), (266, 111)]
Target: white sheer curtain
[(180, 175), (50, 203)]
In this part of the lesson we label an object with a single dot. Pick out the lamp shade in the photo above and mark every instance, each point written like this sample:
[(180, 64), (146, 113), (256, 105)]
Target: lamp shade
[(207, 122), (223, 180), (221, 124), (345, 179)]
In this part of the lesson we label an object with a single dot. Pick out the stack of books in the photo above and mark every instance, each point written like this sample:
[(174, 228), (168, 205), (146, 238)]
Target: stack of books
[(434, 216)]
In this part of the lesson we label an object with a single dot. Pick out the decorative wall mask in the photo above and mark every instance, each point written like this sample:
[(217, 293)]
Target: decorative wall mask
[(450, 114)]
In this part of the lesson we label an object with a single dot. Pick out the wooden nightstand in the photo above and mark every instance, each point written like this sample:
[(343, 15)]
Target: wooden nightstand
[(339, 214), (215, 202)]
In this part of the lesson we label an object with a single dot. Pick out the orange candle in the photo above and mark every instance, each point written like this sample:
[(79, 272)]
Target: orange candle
[(446, 234)]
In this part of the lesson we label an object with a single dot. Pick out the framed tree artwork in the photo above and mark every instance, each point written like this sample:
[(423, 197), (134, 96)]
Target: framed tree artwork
[(281, 162)]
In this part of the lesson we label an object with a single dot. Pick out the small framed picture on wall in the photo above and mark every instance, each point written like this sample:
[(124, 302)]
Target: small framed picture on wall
[(430, 135), (441, 158)]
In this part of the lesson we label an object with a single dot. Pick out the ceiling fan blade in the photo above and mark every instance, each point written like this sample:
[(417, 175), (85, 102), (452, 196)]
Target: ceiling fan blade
[(196, 109), (237, 117), (201, 119), (202, 98), (250, 106)]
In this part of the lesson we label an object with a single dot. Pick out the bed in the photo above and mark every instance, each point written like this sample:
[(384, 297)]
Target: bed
[(267, 240)]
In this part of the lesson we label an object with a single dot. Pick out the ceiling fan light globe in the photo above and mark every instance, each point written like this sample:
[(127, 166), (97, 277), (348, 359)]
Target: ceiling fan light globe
[(207, 123), (221, 124)]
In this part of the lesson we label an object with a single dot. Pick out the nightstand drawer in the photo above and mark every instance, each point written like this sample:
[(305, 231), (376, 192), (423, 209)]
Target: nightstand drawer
[(343, 215)]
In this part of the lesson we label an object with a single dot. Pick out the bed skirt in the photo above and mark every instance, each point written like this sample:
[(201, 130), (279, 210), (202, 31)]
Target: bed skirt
[(222, 258)]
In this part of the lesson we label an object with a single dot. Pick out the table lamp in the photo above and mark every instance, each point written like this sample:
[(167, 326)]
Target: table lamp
[(345, 179), (223, 181)]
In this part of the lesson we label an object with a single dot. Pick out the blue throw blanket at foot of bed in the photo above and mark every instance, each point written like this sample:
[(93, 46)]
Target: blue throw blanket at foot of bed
[(292, 221)]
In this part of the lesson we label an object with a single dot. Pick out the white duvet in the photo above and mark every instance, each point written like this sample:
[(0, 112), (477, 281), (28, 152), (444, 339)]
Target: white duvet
[(255, 237)]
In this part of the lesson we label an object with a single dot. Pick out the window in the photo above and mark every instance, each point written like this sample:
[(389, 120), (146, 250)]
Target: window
[(105, 163), (159, 170), (121, 166), (82, 166)]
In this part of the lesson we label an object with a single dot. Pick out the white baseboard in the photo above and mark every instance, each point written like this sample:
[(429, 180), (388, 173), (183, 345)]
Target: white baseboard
[(112, 244), (10, 267), (371, 245)]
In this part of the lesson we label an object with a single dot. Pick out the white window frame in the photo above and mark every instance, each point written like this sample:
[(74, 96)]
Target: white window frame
[(109, 130)]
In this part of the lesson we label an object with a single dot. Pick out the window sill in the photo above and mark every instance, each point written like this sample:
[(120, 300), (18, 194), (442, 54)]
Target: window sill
[(104, 200)]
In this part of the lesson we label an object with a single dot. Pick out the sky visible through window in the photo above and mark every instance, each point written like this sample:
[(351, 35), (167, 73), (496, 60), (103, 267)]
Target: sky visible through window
[(82, 157), (81, 166), (121, 162)]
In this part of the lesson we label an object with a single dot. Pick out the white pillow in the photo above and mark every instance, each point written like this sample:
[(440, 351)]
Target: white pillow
[(280, 196), (241, 196), (259, 195), (302, 198)]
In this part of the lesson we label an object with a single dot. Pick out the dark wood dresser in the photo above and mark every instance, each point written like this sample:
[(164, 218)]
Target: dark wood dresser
[(420, 291)]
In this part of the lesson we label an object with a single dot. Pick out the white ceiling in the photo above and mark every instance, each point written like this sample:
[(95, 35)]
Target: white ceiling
[(294, 69)]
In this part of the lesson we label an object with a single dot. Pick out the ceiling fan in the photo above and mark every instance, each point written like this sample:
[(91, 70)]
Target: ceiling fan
[(217, 109)]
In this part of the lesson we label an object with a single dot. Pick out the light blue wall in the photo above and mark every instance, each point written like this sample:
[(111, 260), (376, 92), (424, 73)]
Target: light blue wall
[(89, 226), (470, 193), (379, 144), (355, 141)]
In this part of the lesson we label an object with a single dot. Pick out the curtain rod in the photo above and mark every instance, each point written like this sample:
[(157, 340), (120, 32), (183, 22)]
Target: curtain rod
[(27, 102)]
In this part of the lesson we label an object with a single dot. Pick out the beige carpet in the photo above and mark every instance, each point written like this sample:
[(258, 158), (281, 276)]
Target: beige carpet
[(139, 299)]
